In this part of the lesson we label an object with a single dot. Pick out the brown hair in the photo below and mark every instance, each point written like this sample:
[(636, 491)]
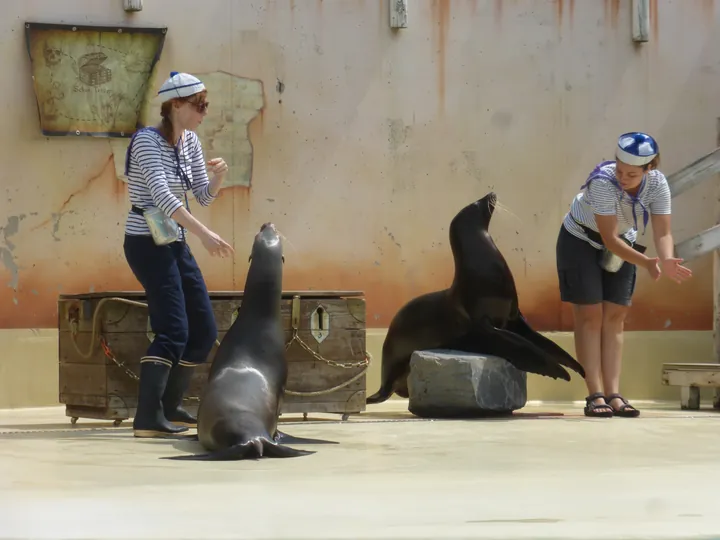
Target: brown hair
[(654, 164), (166, 126)]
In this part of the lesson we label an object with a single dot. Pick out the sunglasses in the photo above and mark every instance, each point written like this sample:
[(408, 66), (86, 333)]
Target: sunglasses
[(200, 107)]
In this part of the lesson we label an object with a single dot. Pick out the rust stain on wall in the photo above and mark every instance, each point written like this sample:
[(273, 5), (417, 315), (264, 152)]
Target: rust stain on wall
[(614, 12), (498, 13), (441, 21), (571, 10), (611, 10), (708, 11), (560, 7), (654, 22), (385, 286)]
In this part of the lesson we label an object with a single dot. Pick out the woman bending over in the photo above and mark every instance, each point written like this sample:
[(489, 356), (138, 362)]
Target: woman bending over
[(597, 258)]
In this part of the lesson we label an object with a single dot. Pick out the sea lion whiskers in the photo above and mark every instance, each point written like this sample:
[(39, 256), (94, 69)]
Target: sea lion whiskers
[(285, 239), (499, 205)]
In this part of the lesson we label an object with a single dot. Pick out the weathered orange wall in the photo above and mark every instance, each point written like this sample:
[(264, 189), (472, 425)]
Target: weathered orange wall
[(378, 138)]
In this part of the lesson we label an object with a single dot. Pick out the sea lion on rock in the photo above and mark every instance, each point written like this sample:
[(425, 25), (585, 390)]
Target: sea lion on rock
[(240, 405), (478, 313)]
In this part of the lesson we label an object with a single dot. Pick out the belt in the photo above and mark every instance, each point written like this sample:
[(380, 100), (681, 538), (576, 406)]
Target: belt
[(597, 237)]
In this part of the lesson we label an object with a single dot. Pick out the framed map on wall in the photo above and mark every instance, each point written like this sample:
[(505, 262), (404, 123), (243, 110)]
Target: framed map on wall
[(91, 80)]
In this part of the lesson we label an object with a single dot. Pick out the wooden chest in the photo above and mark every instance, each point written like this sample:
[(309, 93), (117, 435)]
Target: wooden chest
[(324, 331)]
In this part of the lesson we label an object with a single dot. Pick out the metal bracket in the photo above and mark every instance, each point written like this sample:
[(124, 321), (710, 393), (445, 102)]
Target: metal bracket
[(640, 20), (132, 5), (148, 330), (295, 321), (398, 13), (320, 324)]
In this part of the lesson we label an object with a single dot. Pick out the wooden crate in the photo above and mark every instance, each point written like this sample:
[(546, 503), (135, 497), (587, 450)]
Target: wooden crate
[(690, 377), (328, 376)]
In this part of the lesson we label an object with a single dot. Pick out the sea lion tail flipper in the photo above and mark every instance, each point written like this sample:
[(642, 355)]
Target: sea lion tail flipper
[(521, 327), (284, 438), (232, 453), (394, 368), (273, 449)]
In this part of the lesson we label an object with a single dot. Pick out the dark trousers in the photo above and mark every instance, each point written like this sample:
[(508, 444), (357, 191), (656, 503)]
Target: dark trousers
[(179, 306)]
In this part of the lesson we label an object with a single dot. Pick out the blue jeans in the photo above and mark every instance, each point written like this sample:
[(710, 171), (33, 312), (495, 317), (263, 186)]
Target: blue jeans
[(181, 315)]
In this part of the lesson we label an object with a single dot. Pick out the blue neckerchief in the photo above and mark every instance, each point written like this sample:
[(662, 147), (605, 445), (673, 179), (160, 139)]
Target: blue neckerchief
[(597, 173)]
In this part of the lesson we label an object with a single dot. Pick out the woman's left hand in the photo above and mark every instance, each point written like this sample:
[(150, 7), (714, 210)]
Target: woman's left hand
[(672, 269), (217, 166)]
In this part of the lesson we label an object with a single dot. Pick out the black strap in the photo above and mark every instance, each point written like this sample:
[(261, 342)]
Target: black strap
[(597, 237)]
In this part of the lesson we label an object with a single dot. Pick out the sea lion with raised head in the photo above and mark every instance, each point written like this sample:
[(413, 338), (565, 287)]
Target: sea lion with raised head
[(478, 313), (241, 402)]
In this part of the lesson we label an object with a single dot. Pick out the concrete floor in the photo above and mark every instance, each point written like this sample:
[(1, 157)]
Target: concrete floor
[(556, 475)]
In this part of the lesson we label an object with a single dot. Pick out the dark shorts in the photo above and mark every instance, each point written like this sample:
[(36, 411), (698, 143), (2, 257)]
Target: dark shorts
[(582, 281)]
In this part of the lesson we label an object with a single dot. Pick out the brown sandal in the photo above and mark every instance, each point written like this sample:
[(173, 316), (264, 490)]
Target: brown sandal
[(626, 410), (602, 410)]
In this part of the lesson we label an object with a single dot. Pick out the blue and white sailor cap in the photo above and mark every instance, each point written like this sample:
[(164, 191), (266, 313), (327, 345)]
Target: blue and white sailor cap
[(636, 148), (180, 85)]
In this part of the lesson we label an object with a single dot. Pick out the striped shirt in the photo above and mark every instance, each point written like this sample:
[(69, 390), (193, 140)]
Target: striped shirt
[(153, 178), (605, 198)]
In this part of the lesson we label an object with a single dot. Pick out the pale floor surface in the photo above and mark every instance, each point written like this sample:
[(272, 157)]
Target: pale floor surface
[(390, 476)]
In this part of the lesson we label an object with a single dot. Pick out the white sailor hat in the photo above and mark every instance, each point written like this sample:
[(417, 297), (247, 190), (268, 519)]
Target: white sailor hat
[(636, 148), (180, 85)]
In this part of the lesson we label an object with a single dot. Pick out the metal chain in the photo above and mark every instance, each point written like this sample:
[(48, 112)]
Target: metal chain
[(111, 356), (345, 365), (74, 323)]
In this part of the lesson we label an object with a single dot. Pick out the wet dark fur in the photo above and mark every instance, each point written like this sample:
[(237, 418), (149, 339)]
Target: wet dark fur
[(478, 313), (240, 405)]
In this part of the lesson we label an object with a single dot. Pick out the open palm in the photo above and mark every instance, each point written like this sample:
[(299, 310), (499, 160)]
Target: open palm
[(672, 269)]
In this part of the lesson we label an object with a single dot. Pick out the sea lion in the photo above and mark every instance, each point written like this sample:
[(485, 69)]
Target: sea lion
[(478, 313), (240, 405)]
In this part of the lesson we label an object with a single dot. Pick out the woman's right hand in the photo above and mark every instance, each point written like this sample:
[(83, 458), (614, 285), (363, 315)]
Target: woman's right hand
[(216, 245), (652, 265)]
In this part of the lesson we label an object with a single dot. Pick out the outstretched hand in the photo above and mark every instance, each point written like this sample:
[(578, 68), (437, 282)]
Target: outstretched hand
[(216, 245), (673, 270)]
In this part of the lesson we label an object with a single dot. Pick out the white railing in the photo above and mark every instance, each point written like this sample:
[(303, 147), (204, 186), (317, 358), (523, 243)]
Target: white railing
[(683, 180), (708, 241)]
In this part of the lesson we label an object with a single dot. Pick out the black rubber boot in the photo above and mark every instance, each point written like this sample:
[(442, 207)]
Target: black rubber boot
[(177, 385), (149, 418)]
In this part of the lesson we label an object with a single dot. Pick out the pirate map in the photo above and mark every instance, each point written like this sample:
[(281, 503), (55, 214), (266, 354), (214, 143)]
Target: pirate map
[(91, 80)]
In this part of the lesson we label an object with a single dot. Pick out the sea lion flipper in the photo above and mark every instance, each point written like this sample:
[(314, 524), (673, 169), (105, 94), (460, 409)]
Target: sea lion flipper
[(521, 327), (521, 353), (273, 449), (284, 438), (252, 449)]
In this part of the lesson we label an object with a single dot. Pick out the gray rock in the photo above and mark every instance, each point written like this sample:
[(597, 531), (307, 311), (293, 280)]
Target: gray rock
[(445, 383)]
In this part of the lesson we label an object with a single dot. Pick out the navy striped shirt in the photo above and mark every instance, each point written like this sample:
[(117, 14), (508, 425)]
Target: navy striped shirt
[(605, 198), (153, 178)]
